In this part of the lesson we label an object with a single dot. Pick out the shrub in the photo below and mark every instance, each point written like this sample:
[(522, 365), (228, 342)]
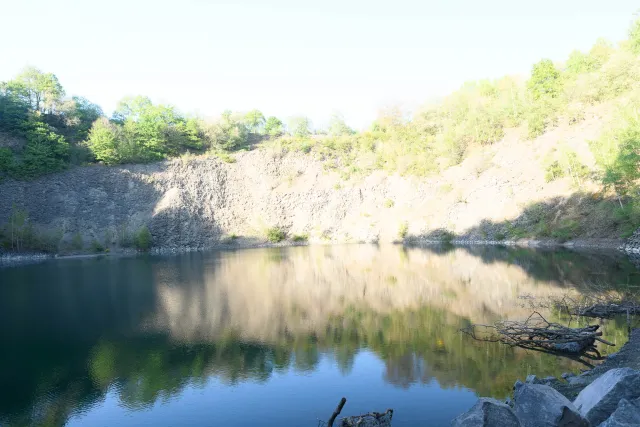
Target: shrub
[(389, 203), (76, 242), (403, 230), (553, 171), (300, 237), (276, 235), (97, 246), (143, 239)]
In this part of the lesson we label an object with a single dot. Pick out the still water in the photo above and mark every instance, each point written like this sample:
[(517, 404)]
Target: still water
[(276, 336)]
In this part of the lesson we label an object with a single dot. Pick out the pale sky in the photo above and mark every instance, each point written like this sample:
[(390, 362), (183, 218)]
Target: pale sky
[(288, 57)]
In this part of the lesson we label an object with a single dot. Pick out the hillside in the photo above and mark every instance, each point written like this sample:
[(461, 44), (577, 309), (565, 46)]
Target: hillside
[(555, 155), (498, 192)]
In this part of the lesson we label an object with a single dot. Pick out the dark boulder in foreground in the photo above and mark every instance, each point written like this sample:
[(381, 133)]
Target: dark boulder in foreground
[(487, 412), (538, 405), (600, 399)]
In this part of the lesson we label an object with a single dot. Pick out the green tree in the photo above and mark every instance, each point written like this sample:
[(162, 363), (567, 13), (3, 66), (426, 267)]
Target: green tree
[(104, 142), (255, 121), (273, 127), (41, 90), (634, 37), (143, 239), (300, 126), (545, 80), (338, 127)]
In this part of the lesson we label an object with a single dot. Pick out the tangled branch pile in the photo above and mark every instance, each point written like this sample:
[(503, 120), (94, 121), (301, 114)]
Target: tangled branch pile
[(537, 332), (598, 303)]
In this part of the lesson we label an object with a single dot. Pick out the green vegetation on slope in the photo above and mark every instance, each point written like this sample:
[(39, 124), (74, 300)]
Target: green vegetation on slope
[(59, 131)]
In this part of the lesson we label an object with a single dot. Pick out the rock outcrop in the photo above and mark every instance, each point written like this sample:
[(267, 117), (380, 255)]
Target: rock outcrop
[(601, 398), (487, 412), (538, 405)]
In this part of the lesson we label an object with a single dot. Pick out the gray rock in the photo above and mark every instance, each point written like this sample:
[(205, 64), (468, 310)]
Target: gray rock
[(600, 398), (568, 375), (539, 405), (626, 415), (531, 379), (487, 413), (517, 385)]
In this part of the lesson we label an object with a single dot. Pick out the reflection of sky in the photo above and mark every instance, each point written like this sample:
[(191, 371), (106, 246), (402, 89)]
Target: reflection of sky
[(292, 399)]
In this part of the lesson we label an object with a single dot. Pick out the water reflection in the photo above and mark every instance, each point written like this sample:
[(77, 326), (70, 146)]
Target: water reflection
[(145, 329)]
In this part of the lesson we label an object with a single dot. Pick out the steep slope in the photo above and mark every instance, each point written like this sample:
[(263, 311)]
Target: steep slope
[(498, 192)]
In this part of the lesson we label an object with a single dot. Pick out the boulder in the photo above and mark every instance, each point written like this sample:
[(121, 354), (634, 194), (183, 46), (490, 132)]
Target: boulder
[(600, 398), (626, 415), (538, 405), (487, 412)]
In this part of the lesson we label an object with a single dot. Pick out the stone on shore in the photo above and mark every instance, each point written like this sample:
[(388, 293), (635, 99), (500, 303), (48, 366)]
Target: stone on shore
[(626, 415), (600, 398), (538, 405), (487, 412)]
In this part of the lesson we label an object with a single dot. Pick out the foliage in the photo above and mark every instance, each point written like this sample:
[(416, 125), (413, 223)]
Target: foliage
[(300, 237), (143, 239), (403, 230), (276, 234), (634, 37), (273, 127), (76, 242), (545, 80), (300, 126), (388, 203), (141, 132), (617, 152), (18, 234)]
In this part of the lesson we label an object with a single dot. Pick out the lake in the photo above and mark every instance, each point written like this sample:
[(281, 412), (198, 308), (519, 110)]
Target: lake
[(277, 336)]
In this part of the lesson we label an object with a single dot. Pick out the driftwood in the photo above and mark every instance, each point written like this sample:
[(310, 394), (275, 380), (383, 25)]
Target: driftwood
[(598, 303), (337, 411), (537, 332)]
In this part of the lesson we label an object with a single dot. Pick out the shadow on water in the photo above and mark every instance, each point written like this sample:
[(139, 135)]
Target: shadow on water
[(146, 328)]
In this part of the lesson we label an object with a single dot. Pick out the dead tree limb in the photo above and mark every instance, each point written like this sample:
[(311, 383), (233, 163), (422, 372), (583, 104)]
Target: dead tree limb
[(536, 331), (337, 411)]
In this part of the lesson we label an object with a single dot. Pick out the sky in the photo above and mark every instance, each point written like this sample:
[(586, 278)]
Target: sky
[(294, 57)]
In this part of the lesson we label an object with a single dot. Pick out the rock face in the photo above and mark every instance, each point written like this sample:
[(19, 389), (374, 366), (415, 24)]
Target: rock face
[(626, 415), (487, 413), (538, 405), (601, 398)]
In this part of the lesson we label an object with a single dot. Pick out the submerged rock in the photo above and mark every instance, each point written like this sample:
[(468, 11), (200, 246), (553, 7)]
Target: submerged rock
[(538, 405), (487, 412), (600, 398), (626, 415)]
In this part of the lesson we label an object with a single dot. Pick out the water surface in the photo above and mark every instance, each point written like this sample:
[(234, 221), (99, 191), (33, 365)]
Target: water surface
[(276, 336)]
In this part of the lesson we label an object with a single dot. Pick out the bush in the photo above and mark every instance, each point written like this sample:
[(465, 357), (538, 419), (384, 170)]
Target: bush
[(300, 238), (76, 242), (276, 235), (97, 246), (403, 230), (389, 203), (143, 239)]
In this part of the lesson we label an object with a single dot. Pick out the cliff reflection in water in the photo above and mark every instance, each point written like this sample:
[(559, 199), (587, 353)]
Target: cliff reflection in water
[(149, 327)]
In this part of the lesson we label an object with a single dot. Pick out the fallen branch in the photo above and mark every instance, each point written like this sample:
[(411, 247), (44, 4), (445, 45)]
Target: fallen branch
[(536, 331), (337, 411)]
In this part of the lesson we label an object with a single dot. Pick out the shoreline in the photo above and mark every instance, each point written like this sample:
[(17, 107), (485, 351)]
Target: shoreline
[(8, 259), (570, 400)]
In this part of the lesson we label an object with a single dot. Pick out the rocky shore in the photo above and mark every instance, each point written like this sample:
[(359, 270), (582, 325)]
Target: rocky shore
[(606, 396)]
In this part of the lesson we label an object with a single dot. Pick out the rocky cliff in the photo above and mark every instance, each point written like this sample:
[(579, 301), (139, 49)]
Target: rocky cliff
[(201, 202)]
